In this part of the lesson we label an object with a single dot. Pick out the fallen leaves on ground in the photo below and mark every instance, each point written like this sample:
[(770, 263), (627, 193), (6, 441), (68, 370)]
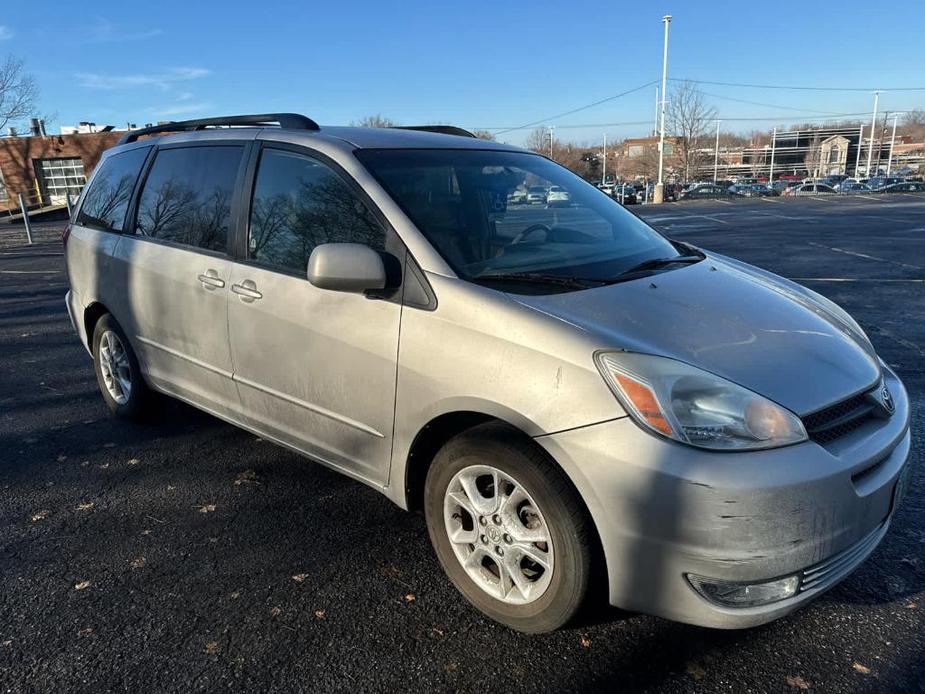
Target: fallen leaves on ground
[(437, 631), (235, 595), (910, 605), (584, 641), (62, 458), (797, 682), (319, 614), (8, 643), (208, 508), (133, 461), (694, 670), (40, 515), (88, 631), (275, 611), (300, 578), (410, 597), (138, 563), (212, 647), (85, 506), (246, 477), (863, 669), (450, 667), (80, 585)]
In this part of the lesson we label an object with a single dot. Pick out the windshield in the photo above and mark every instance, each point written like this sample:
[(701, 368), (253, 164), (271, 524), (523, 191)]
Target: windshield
[(463, 201)]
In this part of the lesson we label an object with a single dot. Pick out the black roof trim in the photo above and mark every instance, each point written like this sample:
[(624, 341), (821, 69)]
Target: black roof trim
[(441, 129), (292, 121)]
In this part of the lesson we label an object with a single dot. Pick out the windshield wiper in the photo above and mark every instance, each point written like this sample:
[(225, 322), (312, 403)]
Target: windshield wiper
[(656, 263), (540, 278)]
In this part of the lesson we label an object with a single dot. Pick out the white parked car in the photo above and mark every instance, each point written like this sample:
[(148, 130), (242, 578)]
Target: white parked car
[(558, 196)]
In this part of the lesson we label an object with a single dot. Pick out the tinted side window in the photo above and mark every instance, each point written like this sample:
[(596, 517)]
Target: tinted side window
[(300, 203), (187, 196), (107, 199)]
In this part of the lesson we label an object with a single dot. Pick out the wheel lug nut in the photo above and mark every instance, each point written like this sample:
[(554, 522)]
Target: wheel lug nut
[(483, 520), (484, 540), (496, 519), (499, 551), (507, 538)]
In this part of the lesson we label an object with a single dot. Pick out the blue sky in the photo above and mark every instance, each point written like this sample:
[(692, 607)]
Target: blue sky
[(488, 65)]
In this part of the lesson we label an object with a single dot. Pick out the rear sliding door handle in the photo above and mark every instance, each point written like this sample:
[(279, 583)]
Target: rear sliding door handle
[(211, 281), (247, 290)]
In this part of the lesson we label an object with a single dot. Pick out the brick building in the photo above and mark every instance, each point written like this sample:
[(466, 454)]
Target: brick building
[(46, 167)]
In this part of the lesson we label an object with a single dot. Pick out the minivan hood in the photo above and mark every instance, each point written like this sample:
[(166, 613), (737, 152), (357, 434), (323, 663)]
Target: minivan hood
[(732, 320)]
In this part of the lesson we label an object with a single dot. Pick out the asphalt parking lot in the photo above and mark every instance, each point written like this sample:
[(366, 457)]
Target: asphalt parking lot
[(187, 555)]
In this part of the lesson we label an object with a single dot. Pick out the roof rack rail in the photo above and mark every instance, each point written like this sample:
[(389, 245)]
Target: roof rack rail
[(293, 121), (441, 129)]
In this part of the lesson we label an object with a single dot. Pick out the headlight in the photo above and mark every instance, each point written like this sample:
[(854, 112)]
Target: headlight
[(696, 407)]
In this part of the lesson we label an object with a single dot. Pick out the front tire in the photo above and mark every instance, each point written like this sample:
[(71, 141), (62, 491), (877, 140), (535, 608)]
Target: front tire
[(509, 529), (117, 371)]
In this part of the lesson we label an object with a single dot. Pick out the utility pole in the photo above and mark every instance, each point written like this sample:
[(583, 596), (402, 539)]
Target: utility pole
[(773, 148), (873, 127), (857, 161), (604, 169), (889, 161), (660, 185), (552, 129), (716, 153)]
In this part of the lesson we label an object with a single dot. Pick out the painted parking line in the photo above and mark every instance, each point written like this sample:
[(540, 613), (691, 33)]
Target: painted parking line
[(28, 272), (865, 256)]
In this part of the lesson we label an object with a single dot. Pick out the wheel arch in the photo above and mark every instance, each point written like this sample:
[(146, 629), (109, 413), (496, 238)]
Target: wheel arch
[(92, 315)]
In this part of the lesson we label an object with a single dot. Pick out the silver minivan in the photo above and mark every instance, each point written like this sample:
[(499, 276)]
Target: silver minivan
[(571, 398)]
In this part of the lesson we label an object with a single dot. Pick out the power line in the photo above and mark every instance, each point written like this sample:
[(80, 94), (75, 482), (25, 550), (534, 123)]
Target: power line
[(806, 89), (759, 103), (498, 130), (576, 110)]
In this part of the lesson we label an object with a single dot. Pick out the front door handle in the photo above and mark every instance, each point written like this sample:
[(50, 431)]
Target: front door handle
[(247, 290), (211, 281)]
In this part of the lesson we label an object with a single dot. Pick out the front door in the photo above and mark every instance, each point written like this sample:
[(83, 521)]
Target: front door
[(315, 369)]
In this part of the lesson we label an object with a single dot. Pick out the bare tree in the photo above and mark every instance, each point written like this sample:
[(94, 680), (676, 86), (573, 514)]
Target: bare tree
[(689, 118), (483, 134), (375, 121), (18, 92)]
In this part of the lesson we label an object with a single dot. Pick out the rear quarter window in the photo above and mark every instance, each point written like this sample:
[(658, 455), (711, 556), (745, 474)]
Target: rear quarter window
[(106, 201)]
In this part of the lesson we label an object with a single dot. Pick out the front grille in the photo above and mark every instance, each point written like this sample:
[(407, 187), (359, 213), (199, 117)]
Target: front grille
[(839, 419), (834, 568)]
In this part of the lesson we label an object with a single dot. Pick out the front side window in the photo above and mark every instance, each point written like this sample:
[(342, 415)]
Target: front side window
[(187, 196), (459, 200), (300, 203), (106, 202)]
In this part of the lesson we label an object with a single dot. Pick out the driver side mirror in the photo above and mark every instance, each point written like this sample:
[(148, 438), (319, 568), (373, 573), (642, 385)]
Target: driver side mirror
[(346, 267)]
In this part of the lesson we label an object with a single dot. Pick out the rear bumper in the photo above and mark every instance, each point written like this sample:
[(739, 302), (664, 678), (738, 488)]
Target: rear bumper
[(664, 511)]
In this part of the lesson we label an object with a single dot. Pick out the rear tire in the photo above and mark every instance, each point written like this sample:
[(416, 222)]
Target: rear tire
[(521, 548), (117, 371)]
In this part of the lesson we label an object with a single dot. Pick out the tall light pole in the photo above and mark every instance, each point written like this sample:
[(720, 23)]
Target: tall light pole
[(873, 127), (604, 169), (655, 129), (857, 161), (660, 186), (716, 153), (552, 129), (889, 161), (773, 148)]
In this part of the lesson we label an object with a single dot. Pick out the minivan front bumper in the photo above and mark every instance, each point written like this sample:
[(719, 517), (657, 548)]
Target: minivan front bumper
[(665, 512)]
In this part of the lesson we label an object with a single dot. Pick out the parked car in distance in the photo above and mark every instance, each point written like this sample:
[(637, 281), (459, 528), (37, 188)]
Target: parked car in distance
[(878, 182), (852, 187), (572, 399), (536, 195), (557, 196), (518, 196), (810, 189), (625, 194), (750, 190), (903, 187), (703, 191)]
